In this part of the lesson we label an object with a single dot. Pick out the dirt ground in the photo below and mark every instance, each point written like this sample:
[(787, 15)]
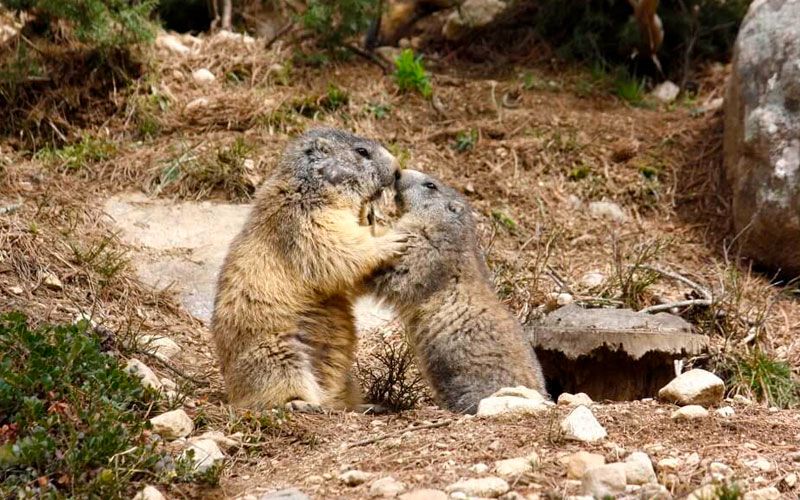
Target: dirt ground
[(548, 140)]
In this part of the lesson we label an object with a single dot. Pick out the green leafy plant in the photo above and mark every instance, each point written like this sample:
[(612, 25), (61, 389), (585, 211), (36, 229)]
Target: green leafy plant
[(73, 421), (101, 23), (80, 154), (466, 140), (763, 377), (410, 74), (333, 22)]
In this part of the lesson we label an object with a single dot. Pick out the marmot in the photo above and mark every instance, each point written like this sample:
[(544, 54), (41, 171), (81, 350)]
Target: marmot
[(467, 344), (283, 323)]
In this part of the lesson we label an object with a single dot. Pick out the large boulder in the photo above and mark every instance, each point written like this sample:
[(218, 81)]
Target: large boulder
[(762, 134)]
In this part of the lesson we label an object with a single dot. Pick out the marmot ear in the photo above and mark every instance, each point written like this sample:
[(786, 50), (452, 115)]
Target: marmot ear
[(455, 207)]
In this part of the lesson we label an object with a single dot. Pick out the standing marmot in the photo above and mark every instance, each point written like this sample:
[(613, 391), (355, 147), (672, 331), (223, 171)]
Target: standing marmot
[(283, 323), (467, 344)]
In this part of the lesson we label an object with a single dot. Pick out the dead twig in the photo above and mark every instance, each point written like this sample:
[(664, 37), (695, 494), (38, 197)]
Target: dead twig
[(703, 291), (197, 382), (683, 303), (285, 29), (368, 56), (398, 433)]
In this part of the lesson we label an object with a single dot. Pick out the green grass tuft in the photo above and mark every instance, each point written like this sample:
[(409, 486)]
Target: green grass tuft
[(765, 378), (410, 74)]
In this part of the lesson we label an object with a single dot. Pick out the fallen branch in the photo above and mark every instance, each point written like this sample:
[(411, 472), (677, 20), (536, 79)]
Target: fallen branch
[(197, 382), (278, 35), (705, 292), (398, 433), (683, 303), (368, 56)]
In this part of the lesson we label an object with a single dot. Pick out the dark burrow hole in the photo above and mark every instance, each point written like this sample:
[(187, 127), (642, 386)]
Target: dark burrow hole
[(185, 16), (606, 374)]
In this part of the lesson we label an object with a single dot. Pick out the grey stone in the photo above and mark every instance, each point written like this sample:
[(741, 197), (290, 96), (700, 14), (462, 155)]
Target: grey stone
[(490, 487), (285, 494), (689, 412), (172, 424), (205, 453), (578, 463), (607, 210), (471, 14), (354, 477), (762, 134), (639, 469), (581, 425), (666, 92), (424, 494), (604, 481), (149, 493), (141, 370), (695, 387), (386, 487)]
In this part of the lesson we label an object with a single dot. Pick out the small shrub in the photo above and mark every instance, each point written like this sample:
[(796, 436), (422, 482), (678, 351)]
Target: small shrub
[(80, 154), (379, 110), (764, 378), (101, 23), (410, 74), (466, 140), (73, 421), (505, 220), (632, 277), (629, 89), (225, 170), (390, 377), (333, 22)]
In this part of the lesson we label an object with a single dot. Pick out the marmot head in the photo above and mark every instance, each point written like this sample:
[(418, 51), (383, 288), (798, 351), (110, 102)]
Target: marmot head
[(329, 161), (434, 205)]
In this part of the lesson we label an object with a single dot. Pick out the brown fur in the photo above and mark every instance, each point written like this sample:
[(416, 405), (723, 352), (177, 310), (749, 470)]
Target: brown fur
[(283, 323), (467, 344)]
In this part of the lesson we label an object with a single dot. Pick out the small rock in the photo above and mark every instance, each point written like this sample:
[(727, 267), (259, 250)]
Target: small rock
[(760, 464), (607, 210), (704, 492), (172, 43), (168, 384), (424, 494), (469, 188), (173, 424), (563, 298), (16, 290), (161, 347), (520, 392), (592, 279), (223, 441), (205, 453), (666, 92), (604, 481), (654, 491), (692, 459), (770, 493), (199, 103), (513, 467), (141, 370), (285, 494), (581, 425), (458, 495), (355, 477), (719, 472), (479, 468), (690, 412), (491, 487), (315, 479), (149, 493), (386, 487), (578, 463), (742, 400), (203, 76), (509, 405), (695, 387), (669, 464), (50, 280), (568, 399), (790, 479), (639, 469), (725, 411)]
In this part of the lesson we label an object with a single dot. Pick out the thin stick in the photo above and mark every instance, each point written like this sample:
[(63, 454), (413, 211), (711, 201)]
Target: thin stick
[(368, 56), (705, 292), (682, 303), (398, 433), (169, 367), (285, 29)]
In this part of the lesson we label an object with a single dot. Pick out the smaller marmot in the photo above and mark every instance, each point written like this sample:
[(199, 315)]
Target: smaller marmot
[(467, 344), (283, 323)]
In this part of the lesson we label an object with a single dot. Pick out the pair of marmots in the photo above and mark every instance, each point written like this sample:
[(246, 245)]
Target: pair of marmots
[(283, 323)]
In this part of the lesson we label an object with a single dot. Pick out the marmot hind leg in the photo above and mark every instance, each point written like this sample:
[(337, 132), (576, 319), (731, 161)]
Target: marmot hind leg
[(272, 375)]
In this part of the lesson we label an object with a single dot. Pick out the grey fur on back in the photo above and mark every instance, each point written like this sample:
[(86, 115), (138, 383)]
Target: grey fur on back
[(468, 345)]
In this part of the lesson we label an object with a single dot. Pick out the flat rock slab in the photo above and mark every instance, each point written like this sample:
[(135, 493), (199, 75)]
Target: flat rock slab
[(182, 244), (178, 244), (612, 354)]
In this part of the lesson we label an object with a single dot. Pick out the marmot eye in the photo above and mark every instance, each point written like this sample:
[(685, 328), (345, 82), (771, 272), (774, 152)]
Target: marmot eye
[(363, 152), (430, 185)]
